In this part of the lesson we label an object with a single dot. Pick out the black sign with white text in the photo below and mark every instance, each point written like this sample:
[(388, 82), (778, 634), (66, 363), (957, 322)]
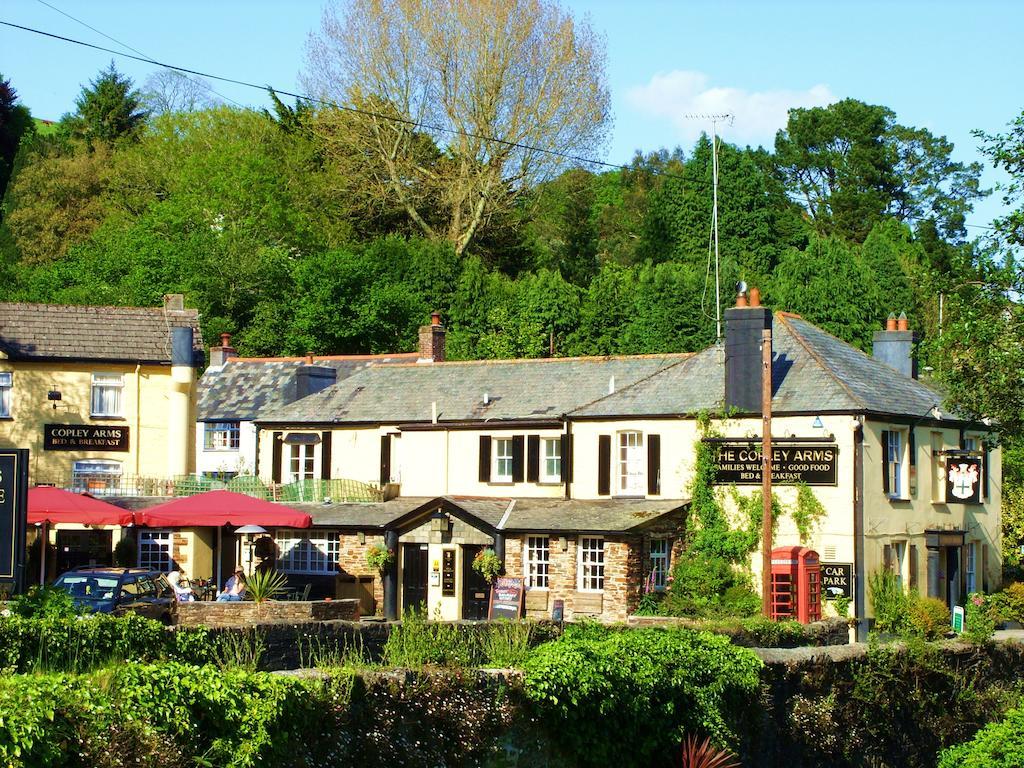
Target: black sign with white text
[(84, 437), (13, 514), (837, 580), (740, 464)]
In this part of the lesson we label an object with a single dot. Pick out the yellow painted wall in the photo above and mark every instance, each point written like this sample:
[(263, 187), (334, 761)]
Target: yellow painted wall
[(151, 405)]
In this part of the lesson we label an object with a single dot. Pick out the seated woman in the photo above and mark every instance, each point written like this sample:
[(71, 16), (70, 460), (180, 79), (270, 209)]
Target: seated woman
[(182, 593), (234, 589)]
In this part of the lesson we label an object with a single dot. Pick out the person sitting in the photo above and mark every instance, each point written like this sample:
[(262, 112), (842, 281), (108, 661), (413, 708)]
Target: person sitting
[(182, 593), (234, 589)]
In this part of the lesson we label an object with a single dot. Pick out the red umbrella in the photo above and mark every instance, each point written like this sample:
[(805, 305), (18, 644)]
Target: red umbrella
[(219, 508), (53, 505)]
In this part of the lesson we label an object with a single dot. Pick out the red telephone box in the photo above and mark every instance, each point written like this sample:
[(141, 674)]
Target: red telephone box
[(796, 584)]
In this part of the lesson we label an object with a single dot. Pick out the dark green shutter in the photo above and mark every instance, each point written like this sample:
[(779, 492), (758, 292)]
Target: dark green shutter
[(566, 458), (485, 459), (325, 455), (517, 458), (604, 465), (887, 557), (533, 458), (385, 460), (275, 469), (885, 461), (912, 549), (654, 464)]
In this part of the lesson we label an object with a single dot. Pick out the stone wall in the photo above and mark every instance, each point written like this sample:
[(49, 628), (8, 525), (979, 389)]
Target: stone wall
[(828, 632), (270, 612)]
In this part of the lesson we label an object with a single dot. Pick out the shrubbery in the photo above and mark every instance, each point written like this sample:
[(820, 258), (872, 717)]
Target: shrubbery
[(997, 745)]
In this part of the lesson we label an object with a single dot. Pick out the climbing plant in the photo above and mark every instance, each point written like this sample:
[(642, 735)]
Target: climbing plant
[(807, 512)]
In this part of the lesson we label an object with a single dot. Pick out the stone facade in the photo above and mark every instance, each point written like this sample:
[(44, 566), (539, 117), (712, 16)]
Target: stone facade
[(352, 560), (269, 612)]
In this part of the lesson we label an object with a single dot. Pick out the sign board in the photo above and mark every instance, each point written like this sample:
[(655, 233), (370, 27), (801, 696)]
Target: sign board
[(506, 598), (963, 480), (958, 619), (558, 610), (739, 463), (84, 437), (13, 515), (837, 580)]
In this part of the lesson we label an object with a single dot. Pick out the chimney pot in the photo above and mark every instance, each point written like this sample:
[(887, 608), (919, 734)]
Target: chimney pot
[(741, 300), (890, 322), (431, 340), (435, 318), (755, 297), (225, 339), (901, 322)]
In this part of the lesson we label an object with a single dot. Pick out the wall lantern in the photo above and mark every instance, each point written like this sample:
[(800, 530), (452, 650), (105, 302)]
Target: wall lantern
[(54, 397), (439, 521)]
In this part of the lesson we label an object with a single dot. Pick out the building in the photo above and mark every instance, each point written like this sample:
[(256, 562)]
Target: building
[(103, 398)]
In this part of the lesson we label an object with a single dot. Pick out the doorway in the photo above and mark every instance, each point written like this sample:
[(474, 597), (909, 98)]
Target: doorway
[(475, 589), (414, 577), (952, 576), (76, 549)]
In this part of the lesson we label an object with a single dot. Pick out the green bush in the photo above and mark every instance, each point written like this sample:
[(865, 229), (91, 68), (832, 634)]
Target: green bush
[(927, 617), (1008, 605), (979, 621), (997, 745), (43, 603), (654, 684), (889, 602)]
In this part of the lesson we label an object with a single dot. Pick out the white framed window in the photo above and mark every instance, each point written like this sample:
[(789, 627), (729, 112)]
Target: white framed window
[(6, 384), (96, 476), (301, 462), (660, 549), (538, 561), (631, 464), (971, 567), (551, 460), (501, 472), (307, 551), (894, 455), (590, 564), (970, 443), (222, 435), (106, 397), (155, 550)]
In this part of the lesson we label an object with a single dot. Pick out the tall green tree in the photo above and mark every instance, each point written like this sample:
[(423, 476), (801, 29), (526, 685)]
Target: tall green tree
[(107, 110), (15, 122)]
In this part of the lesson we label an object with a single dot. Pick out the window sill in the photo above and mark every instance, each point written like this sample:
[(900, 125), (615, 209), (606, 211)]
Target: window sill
[(6, 418), (501, 482), (550, 482), (901, 499), (591, 591), (102, 417)]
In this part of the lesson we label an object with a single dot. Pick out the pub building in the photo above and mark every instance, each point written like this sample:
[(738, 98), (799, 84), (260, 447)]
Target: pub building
[(103, 398), (575, 470)]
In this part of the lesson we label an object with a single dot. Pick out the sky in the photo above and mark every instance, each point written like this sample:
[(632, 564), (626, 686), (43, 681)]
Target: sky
[(950, 67)]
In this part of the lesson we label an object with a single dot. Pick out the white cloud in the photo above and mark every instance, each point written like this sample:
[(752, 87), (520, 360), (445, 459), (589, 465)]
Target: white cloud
[(757, 114)]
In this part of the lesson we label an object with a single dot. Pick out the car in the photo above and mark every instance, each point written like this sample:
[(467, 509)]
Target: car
[(119, 591)]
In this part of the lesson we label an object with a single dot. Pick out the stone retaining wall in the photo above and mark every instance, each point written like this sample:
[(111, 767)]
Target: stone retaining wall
[(831, 631), (242, 614)]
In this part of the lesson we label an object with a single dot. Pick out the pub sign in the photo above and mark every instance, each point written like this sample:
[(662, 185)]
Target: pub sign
[(84, 437), (506, 598), (963, 479), (739, 463), (13, 515)]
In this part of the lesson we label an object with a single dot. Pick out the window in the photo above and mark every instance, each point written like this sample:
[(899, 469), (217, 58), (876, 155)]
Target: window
[(222, 436), (96, 477), (971, 567), (894, 462), (538, 559), (591, 564), (307, 551), (970, 443), (106, 394), (300, 464), (502, 470), (551, 460), (6, 382), (899, 550), (659, 562), (631, 464), (155, 550)]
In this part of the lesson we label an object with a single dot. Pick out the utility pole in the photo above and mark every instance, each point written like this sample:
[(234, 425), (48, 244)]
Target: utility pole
[(766, 471)]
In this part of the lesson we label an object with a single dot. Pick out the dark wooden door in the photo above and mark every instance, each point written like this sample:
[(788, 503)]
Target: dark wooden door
[(414, 577), (79, 548), (475, 589)]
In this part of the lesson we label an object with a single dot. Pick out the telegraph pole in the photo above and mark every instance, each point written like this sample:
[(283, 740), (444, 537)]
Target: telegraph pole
[(766, 471)]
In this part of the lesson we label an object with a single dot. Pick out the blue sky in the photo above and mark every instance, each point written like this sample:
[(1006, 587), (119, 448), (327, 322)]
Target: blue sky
[(950, 67)]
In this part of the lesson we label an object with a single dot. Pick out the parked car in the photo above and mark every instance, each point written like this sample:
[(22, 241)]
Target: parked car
[(120, 591)]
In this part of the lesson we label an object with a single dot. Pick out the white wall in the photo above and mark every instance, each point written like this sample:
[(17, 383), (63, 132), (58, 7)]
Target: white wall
[(242, 461)]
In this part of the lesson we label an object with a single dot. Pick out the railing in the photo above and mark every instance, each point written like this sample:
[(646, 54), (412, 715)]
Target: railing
[(337, 490)]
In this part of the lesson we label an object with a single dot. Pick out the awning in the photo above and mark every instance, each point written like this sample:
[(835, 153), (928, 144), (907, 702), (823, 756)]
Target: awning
[(53, 505), (218, 508)]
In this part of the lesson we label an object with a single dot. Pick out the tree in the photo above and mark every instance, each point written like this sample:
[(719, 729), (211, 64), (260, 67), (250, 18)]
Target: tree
[(1006, 151), (107, 110), (168, 90), (15, 122), (461, 100)]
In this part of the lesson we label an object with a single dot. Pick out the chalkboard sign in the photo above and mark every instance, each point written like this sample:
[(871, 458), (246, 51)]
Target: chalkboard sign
[(13, 515), (558, 611), (506, 598)]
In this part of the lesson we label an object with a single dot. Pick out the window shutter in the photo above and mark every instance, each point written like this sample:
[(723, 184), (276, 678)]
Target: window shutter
[(485, 459), (963, 439), (533, 458), (275, 467), (885, 461), (912, 444), (984, 568), (604, 465), (325, 455), (912, 550), (385, 460), (517, 458), (566, 458), (654, 464), (984, 471), (887, 557)]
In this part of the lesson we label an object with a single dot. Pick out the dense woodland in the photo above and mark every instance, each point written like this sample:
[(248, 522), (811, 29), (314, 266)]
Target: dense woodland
[(272, 227)]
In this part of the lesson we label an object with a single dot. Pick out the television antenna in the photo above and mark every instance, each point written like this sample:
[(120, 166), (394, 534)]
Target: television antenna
[(715, 119)]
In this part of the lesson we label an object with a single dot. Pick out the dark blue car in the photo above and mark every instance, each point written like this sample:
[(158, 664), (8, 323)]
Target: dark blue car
[(119, 591)]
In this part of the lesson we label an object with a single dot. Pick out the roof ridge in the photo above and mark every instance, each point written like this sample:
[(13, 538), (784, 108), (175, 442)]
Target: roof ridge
[(689, 356), (784, 319), (541, 360), (97, 307), (321, 358)]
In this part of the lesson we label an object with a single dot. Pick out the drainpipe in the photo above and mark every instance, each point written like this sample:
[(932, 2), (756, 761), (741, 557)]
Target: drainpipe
[(499, 547), (859, 576), (138, 417), (391, 578)]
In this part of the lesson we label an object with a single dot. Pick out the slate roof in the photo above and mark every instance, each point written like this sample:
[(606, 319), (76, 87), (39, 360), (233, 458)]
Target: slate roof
[(812, 371), (516, 390), (116, 334), (243, 388)]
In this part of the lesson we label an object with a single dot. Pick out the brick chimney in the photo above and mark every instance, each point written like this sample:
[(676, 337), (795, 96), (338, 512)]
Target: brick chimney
[(223, 353), (174, 302), (896, 345), (431, 347), (743, 326)]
